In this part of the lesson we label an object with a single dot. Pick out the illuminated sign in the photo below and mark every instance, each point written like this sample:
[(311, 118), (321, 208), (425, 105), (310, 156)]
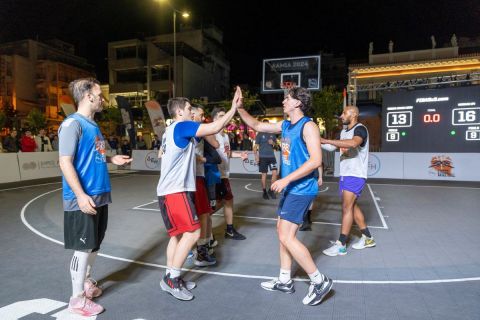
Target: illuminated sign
[(434, 120)]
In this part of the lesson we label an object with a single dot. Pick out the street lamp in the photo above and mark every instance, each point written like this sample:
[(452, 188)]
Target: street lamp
[(184, 15)]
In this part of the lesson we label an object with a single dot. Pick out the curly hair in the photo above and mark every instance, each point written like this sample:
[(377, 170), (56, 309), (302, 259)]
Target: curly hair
[(302, 95)]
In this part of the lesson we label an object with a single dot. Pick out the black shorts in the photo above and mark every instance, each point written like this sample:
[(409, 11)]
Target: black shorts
[(265, 163), (223, 190), (85, 231)]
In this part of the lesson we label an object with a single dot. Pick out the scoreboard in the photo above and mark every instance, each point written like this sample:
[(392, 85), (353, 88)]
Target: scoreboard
[(436, 120)]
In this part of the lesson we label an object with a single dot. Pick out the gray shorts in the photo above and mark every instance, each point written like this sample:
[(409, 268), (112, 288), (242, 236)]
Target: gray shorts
[(85, 231)]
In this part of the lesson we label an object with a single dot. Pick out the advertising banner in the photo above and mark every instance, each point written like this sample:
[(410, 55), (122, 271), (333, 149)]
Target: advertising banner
[(127, 118), (156, 117)]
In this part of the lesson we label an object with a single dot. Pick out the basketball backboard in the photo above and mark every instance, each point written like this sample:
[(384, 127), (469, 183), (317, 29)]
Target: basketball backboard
[(283, 73)]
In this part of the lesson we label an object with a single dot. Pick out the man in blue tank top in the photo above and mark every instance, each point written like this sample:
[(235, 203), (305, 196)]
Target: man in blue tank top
[(300, 158), (86, 191)]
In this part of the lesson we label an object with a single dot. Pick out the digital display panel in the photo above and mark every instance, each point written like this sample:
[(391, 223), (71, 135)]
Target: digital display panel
[(435, 120)]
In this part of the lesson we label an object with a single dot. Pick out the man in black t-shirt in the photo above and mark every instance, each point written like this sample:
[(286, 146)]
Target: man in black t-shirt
[(265, 157)]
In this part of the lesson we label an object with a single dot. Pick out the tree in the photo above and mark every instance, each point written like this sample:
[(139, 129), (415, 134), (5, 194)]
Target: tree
[(3, 119), (326, 105), (11, 120), (36, 120), (110, 118)]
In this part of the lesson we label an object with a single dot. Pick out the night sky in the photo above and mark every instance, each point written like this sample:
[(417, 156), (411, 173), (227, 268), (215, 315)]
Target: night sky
[(253, 30)]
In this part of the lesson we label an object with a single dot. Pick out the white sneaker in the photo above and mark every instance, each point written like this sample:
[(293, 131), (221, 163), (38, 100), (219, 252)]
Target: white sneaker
[(364, 242), (337, 249)]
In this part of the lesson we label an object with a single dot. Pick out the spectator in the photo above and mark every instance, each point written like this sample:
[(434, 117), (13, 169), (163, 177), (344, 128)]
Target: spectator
[(27, 143), (234, 145), (156, 143), (54, 140), (141, 145), (246, 143), (126, 149), (11, 142), (43, 142), (113, 142)]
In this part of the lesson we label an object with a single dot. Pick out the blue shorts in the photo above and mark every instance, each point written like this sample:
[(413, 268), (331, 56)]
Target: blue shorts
[(353, 184), (293, 207)]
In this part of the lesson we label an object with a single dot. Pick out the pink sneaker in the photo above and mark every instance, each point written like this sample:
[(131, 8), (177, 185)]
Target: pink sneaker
[(84, 306), (91, 289)]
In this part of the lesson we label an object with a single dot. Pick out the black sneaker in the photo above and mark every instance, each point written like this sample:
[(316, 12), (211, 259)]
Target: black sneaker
[(316, 292), (272, 194), (265, 196), (234, 234), (173, 286), (276, 285), (203, 259)]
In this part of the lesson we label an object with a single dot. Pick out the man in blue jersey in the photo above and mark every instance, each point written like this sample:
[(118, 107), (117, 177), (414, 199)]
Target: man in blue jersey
[(177, 185), (300, 158), (86, 191)]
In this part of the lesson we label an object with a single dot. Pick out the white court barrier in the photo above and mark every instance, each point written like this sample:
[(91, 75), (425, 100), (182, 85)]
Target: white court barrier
[(38, 165), (421, 166), (9, 171), (145, 160)]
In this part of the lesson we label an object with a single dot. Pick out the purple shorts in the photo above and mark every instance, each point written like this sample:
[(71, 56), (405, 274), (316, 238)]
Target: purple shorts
[(353, 184)]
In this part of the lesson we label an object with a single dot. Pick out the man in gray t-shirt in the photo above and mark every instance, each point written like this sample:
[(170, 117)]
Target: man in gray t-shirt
[(265, 157)]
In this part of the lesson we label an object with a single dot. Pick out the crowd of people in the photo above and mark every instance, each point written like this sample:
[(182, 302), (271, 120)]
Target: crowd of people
[(27, 142), (194, 182)]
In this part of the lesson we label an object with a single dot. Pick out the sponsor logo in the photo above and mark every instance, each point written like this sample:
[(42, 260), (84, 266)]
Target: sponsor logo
[(100, 156), (249, 164), (32, 165), (48, 164), (374, 165), (152, 161), (441, 166), (84, 240)]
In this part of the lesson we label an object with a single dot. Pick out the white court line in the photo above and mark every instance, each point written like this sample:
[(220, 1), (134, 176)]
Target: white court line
[(31, 186), (261, 191), (384, 223), (58, 182), (261, 218), (140, 207), (235, 275)]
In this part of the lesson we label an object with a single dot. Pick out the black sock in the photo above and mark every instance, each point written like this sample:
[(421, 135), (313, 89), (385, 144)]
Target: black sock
[(264, 190), (342, 239), (230, 228), (309, 216), (366, 232)]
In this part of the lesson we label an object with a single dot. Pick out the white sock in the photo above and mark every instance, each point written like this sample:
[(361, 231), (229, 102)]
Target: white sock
[(91, 260), (211, 237), (202, 242), (174, 273), (316, 277), (168, 270), (285, 275), (78, 271)]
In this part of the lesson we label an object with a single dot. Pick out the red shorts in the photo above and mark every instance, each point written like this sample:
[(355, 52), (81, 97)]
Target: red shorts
[(178, 213), (223, 190), (202, 204)]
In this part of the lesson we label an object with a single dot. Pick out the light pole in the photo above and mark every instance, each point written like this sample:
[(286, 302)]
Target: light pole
[(185, 15)]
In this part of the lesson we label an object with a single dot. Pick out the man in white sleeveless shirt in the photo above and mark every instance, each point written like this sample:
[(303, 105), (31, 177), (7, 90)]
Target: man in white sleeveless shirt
[(176, 188), (353, 146)]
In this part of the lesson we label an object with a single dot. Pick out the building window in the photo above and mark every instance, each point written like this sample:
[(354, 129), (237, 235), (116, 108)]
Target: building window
[(132, 76), (126, 52), (160, 73)]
